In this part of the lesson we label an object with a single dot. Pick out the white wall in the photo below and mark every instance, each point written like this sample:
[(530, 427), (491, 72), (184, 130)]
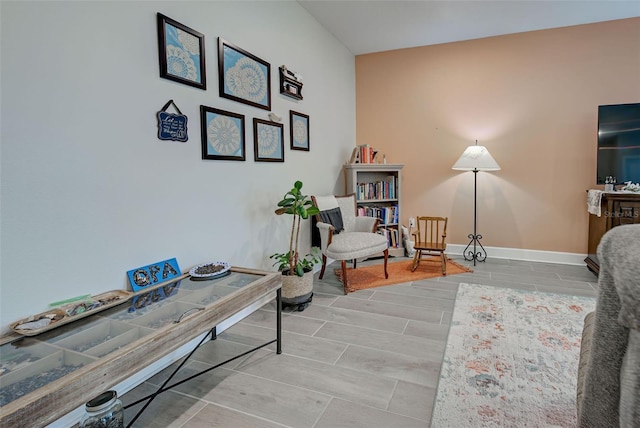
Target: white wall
[(89, 192)]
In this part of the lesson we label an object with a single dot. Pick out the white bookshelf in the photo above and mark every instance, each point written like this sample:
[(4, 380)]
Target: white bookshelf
[(378, 189)]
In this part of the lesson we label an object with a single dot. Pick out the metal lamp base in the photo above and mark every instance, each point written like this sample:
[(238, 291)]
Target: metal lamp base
[(477, 253)]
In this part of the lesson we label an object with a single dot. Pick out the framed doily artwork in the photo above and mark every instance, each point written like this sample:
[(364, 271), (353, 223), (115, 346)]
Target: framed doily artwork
[(243, 77), (268, 141), (181, 51), (299, 129), (222, 134)]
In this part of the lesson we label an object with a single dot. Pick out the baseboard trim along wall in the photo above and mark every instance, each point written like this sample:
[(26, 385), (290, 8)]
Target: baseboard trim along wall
[(525, 255)]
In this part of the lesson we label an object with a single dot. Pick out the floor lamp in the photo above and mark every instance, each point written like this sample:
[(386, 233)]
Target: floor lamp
[(475, 158)]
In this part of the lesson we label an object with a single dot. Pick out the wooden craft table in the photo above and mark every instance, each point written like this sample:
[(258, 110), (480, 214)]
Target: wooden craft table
[(46, 376)]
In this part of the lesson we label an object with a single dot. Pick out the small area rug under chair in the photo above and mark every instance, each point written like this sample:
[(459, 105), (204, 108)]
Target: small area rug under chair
[(511, 359), (373, 276)]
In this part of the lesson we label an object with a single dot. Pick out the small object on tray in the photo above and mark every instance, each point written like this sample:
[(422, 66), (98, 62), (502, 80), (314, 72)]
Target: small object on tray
[(209, 270), (37, 322), (68, 312)]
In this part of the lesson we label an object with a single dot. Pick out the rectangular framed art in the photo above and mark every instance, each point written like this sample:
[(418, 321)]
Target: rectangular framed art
[(268, 141), (299, 129), (222, 134), (181, 52), (243, 77)]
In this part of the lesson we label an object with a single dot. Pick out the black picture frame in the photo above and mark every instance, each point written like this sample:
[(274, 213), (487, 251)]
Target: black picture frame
[(243, 77), (222, 134), (299, 131), (268, 141), (181, 53)]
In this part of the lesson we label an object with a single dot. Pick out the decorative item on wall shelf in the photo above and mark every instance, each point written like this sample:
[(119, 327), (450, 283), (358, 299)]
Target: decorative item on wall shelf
[(181, 51), (299, 128), (155, 273), (222, 134), (290, 83), (243, 77), (268, 141), (274, 118), (172, 126)]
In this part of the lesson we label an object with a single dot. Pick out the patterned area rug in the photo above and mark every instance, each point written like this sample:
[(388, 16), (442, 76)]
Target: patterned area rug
[(373, 276), (511, 359)]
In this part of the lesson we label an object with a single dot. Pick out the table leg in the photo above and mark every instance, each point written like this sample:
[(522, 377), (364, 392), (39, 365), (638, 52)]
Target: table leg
[(279, 321)]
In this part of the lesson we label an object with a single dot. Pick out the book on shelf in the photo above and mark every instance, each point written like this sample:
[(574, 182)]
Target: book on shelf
[(387, 215), (383, 189), (392, 235)]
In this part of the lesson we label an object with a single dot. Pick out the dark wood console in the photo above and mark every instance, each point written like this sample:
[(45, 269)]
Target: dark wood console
[(616, 209)]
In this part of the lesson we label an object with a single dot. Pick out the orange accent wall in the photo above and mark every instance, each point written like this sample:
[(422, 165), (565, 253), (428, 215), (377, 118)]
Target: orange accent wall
[(530, 98)]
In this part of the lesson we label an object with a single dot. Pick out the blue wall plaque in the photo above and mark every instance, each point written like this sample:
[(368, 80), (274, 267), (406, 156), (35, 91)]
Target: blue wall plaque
[(172, 126)]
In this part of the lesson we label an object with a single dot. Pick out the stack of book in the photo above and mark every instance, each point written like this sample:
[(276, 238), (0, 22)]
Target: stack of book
[(363, 153)]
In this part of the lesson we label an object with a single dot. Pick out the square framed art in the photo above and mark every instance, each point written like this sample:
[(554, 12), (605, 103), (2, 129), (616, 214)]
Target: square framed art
[(222, 134), (181, 52), (243, 77), (268, 141), (299, 130)]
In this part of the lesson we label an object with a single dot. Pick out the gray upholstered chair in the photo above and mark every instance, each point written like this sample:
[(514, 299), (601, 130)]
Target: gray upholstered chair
[(345, 236), (608, 393)]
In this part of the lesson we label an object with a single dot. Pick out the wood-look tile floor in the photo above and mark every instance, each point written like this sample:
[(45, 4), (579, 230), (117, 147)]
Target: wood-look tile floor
[(368, 359)]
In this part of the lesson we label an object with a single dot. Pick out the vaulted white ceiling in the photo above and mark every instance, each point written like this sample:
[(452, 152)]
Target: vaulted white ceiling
[(366, 26)]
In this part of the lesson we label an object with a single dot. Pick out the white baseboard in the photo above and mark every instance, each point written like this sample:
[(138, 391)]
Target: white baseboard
[(73, 417), (526, 255)]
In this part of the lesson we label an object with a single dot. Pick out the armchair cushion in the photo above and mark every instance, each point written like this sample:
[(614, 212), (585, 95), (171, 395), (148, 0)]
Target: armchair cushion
[(333, 216), (354, 245)]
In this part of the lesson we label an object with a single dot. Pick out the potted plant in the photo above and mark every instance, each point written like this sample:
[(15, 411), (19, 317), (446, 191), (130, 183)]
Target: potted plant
[(297, 272)]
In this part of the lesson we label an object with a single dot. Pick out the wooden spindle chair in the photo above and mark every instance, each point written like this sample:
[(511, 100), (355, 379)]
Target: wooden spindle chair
[(430, 240)]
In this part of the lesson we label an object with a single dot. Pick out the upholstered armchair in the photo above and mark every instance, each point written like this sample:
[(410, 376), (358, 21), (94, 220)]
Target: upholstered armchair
[(345, 236), (608, 393)]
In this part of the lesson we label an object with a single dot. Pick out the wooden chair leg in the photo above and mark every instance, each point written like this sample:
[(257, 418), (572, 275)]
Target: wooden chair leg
[(444, 264), (386, 256), (416, 260), (324, 265), (344, 276)]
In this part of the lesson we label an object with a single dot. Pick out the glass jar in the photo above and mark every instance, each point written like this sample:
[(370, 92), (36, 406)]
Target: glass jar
[(104, 411)]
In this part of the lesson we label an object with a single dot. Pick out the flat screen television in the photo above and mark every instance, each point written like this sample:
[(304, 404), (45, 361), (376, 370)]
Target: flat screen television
[(619, 143)]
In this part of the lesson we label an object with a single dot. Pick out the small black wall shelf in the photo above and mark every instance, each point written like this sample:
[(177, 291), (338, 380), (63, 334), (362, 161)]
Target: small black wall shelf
[(289, 85)]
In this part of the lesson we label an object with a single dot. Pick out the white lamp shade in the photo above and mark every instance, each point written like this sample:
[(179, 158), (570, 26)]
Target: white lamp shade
[(476, 158)]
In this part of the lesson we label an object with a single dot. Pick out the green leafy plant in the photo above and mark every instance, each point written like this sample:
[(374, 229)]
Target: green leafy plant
[(300, 207)]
